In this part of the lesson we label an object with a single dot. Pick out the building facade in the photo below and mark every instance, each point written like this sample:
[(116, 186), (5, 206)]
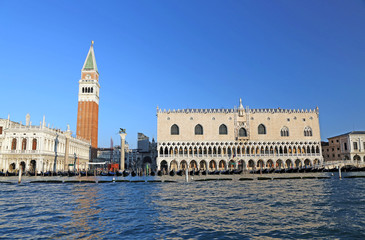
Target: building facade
[(40, 148), (88, 102), (144, 156), (349, 146), (243, 138)]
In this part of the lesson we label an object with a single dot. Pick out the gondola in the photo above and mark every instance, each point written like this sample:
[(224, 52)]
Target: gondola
[(236, 171), (125, 173), (265, 171), (217, 172), (225, 172), (119, 173), (211, 172)]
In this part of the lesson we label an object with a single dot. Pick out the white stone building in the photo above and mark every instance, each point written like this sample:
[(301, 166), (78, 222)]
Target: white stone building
[(349, 146), (40, 148), (240, 138)]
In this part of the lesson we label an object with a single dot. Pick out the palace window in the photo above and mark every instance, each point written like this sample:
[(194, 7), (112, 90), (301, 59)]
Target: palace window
[(261, 129), (284, 132), (174, 130), (1, 130), (242, 132), (308, 132), (355, 145), (223, 130), (345, 146), (13, 144), (34, 145), (198, 130), (24, 144)]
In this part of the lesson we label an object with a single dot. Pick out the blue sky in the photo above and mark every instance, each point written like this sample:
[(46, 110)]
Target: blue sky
[(183, 54)]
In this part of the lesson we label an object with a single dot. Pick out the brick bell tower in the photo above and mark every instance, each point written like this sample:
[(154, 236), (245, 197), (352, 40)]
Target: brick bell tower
[(88, 107)]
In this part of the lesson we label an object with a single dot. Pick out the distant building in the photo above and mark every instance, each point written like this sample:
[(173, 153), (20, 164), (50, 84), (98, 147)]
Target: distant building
[(349, 146), (108, 155), (145, 154), (40, 148), (237, 138)]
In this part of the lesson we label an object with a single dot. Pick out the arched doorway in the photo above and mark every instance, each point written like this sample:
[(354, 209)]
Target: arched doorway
[(270, 164), (183, 165), (289, 163), (33, 166), (163, 166), (212, 165), (241, 165), (357, 158), (222, 165), (307, 163), (251, 164), (279, 164), (260, 164), (232, 164), (193, 165), (203, 165), (173, 165), (12, 167), (298, 163)]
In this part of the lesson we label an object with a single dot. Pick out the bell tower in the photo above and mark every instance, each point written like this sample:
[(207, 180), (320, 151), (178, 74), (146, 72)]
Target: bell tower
[(88, 106)]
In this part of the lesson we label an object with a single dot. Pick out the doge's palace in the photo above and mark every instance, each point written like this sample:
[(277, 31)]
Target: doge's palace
[(238, 138)]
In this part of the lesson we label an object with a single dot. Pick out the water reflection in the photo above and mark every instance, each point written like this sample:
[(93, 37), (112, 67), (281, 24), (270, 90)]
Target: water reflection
[(296, 208)]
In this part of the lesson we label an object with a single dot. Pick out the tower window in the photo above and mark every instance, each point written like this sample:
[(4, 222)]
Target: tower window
[(92, 90)]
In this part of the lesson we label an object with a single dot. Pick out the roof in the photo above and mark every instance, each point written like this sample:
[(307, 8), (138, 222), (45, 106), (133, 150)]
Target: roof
[(349, 133), (90, 62)]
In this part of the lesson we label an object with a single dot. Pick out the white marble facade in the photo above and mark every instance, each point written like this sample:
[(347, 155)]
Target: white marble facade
[(40, 148), (243, 138)]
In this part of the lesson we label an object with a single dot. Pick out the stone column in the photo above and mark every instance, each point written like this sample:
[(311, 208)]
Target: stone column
[(66, 163), (122, 152)]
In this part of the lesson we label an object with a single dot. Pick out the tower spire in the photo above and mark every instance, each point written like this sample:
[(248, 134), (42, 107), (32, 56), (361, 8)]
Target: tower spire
[(90, 62)]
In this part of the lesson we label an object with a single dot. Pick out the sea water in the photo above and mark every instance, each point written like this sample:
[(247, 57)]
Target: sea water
[(266, 209)]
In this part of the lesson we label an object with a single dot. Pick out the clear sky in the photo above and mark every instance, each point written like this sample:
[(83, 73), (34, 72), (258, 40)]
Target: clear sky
[(183, 54)]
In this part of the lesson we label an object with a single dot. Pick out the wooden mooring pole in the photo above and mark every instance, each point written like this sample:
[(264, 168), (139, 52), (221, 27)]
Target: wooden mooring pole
[(20, 175)]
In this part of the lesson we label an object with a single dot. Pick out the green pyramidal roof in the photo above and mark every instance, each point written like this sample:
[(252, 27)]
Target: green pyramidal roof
[(90, 63)]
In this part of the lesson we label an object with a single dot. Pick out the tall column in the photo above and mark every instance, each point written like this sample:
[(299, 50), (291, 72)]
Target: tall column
[(68, 135), (122, 135)]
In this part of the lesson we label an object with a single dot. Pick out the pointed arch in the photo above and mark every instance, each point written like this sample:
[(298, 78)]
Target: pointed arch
[(284, 132), (308, 132), (198, 129), (261, 129), (223, 130), (242, 132), (175, 130)]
